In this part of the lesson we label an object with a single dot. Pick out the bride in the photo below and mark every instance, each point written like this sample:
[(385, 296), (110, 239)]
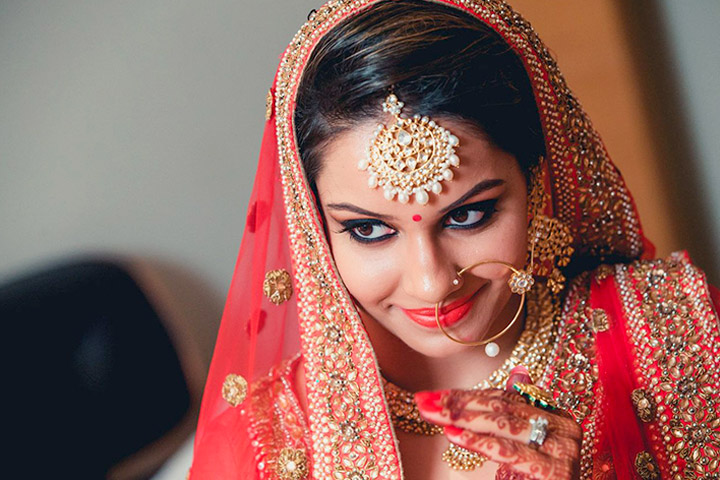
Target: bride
[(443, 275)]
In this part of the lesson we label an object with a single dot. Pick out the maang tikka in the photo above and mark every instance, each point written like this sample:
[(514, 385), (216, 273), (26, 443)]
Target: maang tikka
[(411, 157)]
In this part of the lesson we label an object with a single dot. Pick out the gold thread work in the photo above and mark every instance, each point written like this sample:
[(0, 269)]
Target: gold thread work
[(234, 389), (291, 464), (277, 286), (411, 157)]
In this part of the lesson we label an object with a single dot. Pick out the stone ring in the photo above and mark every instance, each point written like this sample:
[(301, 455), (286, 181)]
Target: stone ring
[(538, 432)]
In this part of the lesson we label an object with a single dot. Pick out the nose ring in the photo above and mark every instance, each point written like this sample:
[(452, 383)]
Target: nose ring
[(520, 283)]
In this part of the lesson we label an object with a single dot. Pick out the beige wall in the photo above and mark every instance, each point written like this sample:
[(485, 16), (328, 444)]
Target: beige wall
[(590, 45)]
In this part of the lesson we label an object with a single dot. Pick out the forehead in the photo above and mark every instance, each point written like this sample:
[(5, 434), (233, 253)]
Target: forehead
[(341, 179)]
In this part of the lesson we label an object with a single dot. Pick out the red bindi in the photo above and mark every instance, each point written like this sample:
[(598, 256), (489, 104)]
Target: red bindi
[(417, 218)]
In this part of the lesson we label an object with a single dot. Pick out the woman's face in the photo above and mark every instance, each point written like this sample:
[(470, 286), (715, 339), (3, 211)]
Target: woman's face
[(397, 260)]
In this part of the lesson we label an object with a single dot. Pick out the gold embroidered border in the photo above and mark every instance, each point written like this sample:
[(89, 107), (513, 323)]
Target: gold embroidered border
[(573, 378), (277, 422), (675, 335)]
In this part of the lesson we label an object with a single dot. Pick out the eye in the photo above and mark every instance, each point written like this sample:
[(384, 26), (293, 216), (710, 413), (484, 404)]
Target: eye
[(472, 215), (367, 231)]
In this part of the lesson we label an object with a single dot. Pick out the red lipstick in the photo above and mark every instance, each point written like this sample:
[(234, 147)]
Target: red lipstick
[(449, 314)]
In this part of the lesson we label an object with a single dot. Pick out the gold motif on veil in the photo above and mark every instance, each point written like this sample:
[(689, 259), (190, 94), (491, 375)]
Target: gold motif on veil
[(277, 286), (234, 389)]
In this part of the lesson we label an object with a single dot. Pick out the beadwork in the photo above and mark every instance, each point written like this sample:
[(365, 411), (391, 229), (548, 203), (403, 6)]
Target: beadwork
[(411, 157)]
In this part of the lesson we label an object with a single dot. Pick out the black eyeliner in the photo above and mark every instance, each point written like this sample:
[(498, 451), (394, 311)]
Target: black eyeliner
[(350, 225), (487, 207)]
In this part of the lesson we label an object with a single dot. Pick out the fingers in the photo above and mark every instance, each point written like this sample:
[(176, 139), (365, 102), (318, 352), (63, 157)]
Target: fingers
[(496, 423), (517, 429), (498, 412), (500, 424), (560, 447), (517, 456), (463, 399)]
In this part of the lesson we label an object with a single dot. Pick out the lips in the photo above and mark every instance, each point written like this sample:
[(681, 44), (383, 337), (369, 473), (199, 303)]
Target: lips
[(449, 314)]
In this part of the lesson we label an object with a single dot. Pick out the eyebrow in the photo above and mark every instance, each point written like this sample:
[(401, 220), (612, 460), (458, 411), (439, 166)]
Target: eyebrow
[(479, 188), (349, 207)]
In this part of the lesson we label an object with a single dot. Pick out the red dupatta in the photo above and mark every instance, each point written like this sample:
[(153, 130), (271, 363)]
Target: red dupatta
[(286, 298)]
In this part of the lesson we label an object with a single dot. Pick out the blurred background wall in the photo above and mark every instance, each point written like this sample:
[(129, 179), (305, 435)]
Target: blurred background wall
[(132, 128)]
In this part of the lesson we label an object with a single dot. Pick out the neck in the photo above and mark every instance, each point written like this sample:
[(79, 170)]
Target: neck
[(413, 371)]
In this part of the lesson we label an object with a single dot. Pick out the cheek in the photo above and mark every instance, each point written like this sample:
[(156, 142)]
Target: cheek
[(513, 237), (506, 241), (368, 277), (517, 244)]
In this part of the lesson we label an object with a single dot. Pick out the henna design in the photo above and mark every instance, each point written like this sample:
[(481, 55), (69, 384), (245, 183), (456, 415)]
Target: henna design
[(458, 403), (507, 473), (560, 447), (495, 423), (519, 457), (515, 425), (494, 400)]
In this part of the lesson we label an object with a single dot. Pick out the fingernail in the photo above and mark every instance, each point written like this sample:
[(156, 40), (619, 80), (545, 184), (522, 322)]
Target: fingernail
[(428, 395), (453, 431), (519, 374), (429, 405), (430, 401)]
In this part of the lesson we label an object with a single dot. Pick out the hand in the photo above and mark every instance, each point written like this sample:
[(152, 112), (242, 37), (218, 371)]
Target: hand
[(496, 424)]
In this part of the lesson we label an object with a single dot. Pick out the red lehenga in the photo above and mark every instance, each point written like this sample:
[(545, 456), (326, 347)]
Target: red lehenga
[(635, 352)]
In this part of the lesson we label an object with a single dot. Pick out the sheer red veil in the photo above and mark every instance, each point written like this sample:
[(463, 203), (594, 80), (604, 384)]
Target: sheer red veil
[(303, 308)]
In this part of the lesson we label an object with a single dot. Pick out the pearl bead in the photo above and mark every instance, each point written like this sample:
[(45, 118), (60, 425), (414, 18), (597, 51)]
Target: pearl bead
[(372, 181), (436, 188), (447, 174), (388, 193), (403, 197), (421, 197), (492, 349)]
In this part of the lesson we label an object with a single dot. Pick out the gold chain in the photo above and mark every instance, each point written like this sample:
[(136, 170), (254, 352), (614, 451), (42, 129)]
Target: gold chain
[(532, 350)]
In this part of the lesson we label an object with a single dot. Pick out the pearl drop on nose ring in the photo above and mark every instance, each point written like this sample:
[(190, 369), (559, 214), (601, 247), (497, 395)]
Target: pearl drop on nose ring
[(492, 349)]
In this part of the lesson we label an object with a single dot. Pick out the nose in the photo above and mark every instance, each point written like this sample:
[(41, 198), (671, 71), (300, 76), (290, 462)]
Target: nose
[(430, 271)]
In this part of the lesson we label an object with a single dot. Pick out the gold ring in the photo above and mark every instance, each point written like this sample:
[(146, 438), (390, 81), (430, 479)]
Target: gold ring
[(536, 396)]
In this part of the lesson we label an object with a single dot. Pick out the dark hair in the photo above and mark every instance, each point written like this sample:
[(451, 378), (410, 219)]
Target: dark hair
[(440, 61)]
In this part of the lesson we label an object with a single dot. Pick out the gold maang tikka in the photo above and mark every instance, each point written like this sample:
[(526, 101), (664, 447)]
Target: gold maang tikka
[(411, 157)]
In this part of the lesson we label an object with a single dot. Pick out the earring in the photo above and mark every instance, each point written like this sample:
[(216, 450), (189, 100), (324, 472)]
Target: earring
[(549, 237), (521, 281)]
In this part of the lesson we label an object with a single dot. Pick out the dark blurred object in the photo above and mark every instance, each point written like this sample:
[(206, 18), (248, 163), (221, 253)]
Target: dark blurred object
[(92, 375)]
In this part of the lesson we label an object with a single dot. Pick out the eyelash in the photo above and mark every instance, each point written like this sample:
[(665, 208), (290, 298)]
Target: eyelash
[(486, 207)]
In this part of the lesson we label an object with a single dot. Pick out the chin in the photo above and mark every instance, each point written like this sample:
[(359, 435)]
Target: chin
[(444, 349), (436, 345)]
